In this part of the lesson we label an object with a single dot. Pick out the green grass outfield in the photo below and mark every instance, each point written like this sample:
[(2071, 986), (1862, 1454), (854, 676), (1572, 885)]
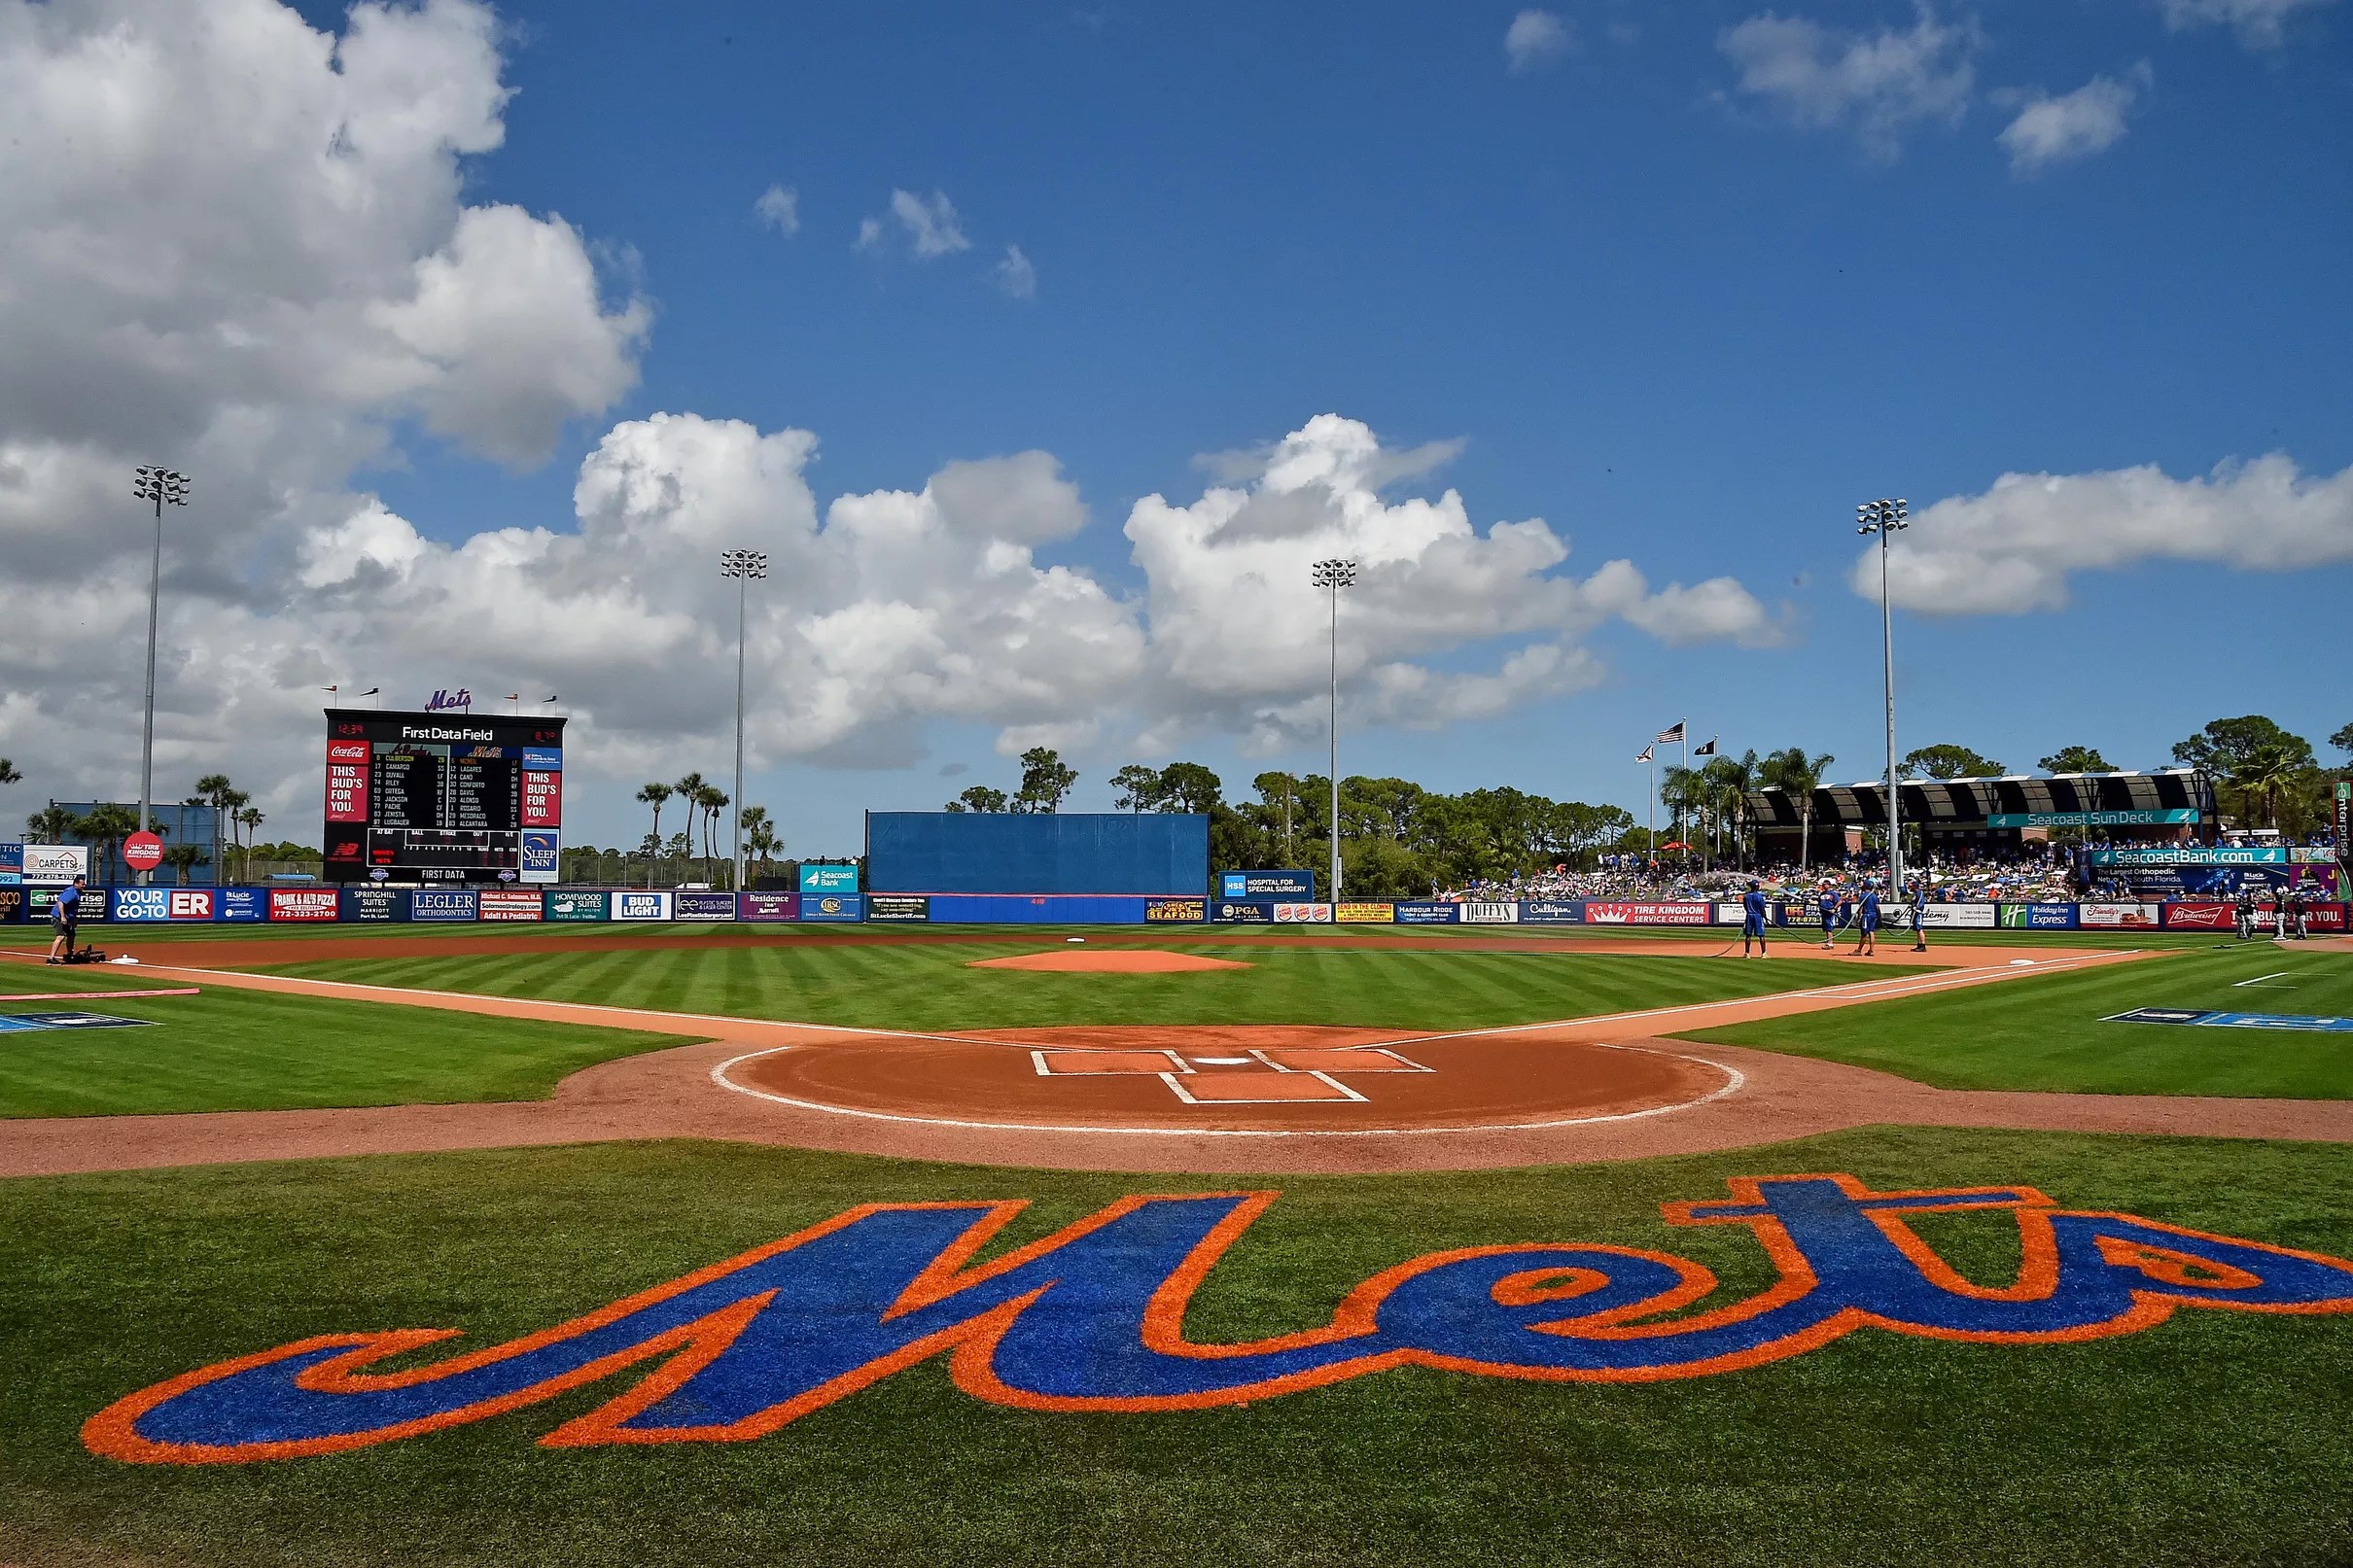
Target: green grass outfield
[(931, 986), (2217, 1438), (2048, 1032), (245, 1050), (143, 933)]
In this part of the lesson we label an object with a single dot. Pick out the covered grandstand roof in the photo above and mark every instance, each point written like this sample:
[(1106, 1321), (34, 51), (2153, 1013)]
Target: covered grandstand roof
[(1977, 802)]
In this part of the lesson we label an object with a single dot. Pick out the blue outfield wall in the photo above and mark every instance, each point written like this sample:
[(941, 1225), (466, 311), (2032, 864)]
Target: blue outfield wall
[(1062, 908), (1135, 855)]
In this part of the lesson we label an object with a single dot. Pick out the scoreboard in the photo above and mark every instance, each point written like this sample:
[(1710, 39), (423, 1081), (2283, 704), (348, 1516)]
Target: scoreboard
[(442, 797)]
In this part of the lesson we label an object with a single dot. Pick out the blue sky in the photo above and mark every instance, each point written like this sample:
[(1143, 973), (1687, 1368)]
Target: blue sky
[(1681, 314)]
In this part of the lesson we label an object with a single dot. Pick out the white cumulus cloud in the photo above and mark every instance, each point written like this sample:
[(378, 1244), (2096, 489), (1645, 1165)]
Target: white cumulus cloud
[(2077, 125), (2259, 24), (779, 208), (1877, 84), (1016, 274), (1536, 38), (1235, 642), (929, 225), (2013, 548)]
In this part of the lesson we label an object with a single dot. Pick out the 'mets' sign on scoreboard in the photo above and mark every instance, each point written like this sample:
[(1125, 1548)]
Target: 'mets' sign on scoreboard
[(441, 797)]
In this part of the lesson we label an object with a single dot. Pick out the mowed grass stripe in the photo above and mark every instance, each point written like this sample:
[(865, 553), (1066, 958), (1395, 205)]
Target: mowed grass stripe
[(244, 1050), (2049, 1031), (934, 988)]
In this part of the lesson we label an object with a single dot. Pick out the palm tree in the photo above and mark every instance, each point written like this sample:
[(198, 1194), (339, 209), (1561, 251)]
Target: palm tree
[(1729, 780), (690, 788), (2266, 769), (1798, 775), (105, 828), (653, 795), (759, 836), (215, 790), (183, 858), (8, 772), (713, 800), (53, 823), (250, 819)]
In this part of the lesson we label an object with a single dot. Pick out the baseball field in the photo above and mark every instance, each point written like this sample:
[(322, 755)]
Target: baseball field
[(798, 1246)]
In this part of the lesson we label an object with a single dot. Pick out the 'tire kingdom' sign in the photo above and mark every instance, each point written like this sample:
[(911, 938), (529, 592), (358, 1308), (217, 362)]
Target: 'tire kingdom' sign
[(1091, 1318)]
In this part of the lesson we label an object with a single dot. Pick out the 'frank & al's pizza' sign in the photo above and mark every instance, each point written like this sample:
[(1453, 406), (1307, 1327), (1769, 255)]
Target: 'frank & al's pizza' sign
[(1091, 1318)]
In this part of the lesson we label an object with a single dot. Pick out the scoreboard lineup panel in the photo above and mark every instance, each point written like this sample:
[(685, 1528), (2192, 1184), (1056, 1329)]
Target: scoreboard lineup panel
[(442, 797)]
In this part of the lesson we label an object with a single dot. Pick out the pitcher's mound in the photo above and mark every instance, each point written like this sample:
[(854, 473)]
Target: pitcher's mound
[(1107, 960)]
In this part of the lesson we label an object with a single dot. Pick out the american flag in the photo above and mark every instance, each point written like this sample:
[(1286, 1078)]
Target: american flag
[(1672, 737)]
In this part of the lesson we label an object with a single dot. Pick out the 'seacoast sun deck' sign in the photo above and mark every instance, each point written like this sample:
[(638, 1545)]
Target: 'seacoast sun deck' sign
[(1091, 1318)]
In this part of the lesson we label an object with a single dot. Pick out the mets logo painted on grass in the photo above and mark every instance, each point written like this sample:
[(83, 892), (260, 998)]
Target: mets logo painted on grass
[(1091, 1318)]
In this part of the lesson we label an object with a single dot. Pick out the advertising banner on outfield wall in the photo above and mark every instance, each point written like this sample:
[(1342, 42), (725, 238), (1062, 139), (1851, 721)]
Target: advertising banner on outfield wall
[(164, 904), (442, 904), (508, 904), (132, 904), (1244, 912), (1302, 914), (768, 906), (695, 904), (1292, 886), (640, 906), (240, 904), (375, 903), (12, 903), (59, 863), (1176, 911), (2038, 917), (565, 904), (1364, 914), (1426, 911), (2118, 916), (2317, 917), (1600, 913), (1552, 911), (828, 879), (898, 909), (11, 864), (1948, 917), (540, 856), (305, 904), (2200, 915), (1482, 913), (832, 907)]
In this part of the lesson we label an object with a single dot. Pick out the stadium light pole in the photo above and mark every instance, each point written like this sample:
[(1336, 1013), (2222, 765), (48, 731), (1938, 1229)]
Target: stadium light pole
[(1884, 518), (743, 566), (165, 487), (1335, 575)]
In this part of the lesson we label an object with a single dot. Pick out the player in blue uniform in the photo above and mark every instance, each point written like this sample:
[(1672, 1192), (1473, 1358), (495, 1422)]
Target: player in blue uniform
[(1828, 903), (1867, 940), (1919, 914), (1752, 919)]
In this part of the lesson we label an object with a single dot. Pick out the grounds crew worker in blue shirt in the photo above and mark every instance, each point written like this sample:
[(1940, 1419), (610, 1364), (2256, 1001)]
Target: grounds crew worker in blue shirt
[(1752, 919), (64, 916), (1919, 915), (1868, 941)]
